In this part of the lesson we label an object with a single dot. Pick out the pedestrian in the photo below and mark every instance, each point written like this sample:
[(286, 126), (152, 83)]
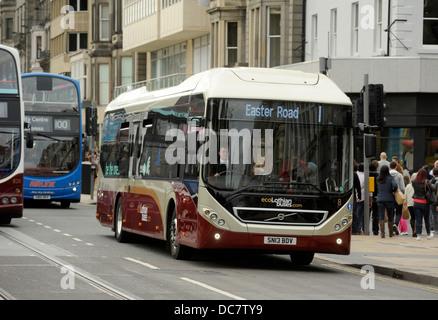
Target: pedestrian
[(434, 206), (374, 207), (421, 186), (376, 163), (386, 187), (357, 202), (429, 173), (435, 165), (398, 177), (382, 161), (410, 203), (403, 227)]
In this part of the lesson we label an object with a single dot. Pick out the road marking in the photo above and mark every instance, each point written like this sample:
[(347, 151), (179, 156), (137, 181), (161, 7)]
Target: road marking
[(67, 235), (56, 230), (206, 286), (142, 263), (89, 244), (48, 227), (77, 239)]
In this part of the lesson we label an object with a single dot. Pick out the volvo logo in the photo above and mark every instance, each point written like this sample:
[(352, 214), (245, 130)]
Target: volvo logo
[(280, 217)]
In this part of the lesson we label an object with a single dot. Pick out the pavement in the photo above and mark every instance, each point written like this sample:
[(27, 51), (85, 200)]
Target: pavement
[(401, 257)]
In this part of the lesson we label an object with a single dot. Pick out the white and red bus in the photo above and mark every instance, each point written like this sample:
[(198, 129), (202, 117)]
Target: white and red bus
[(11, 136), (238, 158)]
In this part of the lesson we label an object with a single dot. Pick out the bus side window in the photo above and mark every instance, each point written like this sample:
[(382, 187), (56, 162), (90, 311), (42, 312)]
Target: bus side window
[(122, 152), (195, 124), (144, 168)]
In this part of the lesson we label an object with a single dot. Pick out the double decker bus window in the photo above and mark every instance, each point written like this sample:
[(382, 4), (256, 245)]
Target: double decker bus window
[(8, 73), (9, 150), (61, 96)]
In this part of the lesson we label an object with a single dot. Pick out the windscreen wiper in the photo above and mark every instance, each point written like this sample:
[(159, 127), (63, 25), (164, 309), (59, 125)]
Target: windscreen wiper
[(46, 136)]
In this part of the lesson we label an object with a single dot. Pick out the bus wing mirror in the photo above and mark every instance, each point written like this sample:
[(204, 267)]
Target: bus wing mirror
[(197, 121), (28, 135), (29, 140)]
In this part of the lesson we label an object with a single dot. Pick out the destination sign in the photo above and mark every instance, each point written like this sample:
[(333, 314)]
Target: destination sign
[(62, 124), (40, 123), (268, 112), (51, 124), (281, 111)]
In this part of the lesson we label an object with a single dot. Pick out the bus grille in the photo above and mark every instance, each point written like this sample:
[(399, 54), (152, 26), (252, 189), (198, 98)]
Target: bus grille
[(280, 216)]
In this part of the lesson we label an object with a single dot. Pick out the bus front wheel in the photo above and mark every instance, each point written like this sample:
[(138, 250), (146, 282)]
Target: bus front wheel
[(177, 250), (301, 258), (65, 204), (5, 220), (120, 234)]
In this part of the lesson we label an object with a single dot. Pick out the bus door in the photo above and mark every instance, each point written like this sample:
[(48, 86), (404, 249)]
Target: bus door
[(132, 195)]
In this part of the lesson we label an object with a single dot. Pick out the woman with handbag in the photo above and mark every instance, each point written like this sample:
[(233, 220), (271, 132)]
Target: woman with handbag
[(386, 187), (410, 202), (421, 206)]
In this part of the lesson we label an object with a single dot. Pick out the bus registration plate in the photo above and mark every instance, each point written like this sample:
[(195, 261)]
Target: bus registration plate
[(41, 197), (281, 240)]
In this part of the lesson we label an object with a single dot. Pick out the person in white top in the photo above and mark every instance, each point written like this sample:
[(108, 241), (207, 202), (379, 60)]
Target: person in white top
[(410, 203), (398, 177)]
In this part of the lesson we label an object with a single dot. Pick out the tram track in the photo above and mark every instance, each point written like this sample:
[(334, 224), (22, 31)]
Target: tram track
[(82, 275), (5, 295)]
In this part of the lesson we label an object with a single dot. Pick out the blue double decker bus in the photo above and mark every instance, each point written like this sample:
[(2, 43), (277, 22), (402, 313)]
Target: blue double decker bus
[(52, 169)]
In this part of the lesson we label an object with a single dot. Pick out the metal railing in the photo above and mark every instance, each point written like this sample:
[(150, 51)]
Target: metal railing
[(153, 84)]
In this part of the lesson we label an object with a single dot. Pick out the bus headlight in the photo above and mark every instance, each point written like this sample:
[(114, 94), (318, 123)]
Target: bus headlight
[(221, 222), (74, 189), (344, 222), (5, 200), (14, 200), (213, 216), (337, 227)]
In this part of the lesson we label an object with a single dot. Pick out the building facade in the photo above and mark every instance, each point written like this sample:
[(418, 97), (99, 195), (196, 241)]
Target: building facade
[(395, 42), (184, 37)]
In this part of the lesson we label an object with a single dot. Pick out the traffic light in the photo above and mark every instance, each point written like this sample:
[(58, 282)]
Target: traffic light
[(88, 112), (91, 121), (377, 106)]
